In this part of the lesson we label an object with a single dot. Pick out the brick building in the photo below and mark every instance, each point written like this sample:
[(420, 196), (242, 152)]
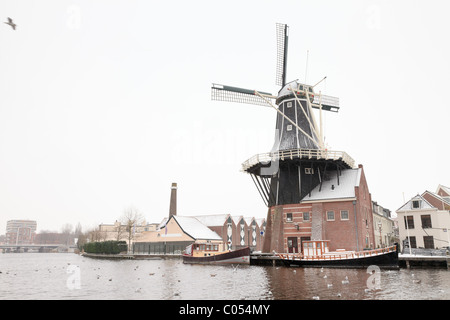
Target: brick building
[(339, 210), (236, 231)]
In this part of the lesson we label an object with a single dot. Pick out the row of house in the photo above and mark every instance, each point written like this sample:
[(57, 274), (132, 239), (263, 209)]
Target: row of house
[(422, 222), (176, 232), (340, 210)]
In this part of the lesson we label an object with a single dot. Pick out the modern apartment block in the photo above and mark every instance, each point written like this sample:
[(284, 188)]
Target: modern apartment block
[(20, 231)]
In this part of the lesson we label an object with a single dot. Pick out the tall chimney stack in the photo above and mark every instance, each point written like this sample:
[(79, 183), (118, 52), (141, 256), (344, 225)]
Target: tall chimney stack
[(173, 200)]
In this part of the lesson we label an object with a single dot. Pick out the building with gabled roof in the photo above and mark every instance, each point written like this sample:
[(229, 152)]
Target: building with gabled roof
[(174, 235), (176, 232), (384, 227), (424, 222), (237, 231)]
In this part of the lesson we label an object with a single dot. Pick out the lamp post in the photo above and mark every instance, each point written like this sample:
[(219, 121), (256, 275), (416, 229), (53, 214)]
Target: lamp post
[(381, 238)]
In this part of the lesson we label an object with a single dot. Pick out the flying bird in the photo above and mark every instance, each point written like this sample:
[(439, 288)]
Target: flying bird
[(11, 23)]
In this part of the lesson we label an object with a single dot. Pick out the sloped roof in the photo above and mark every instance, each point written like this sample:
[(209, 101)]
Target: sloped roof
[(248, 220), (194, 228), (443, 188), (260, 221), (348, 180), (444, 200), (236, 219), (212, 219), (424, 204)]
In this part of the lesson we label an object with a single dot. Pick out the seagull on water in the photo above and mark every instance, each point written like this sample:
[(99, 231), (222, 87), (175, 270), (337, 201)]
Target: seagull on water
[(11, 23)]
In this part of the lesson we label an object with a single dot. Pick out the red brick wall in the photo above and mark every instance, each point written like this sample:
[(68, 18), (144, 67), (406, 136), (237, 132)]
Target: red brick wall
[(341, 232)]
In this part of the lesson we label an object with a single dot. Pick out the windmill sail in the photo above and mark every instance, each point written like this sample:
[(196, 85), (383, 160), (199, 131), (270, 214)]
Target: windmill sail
[(282, 45), (234, 94), (329, 103)]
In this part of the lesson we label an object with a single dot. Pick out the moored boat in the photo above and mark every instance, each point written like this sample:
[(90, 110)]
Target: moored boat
[(204, 253), (316, 254)]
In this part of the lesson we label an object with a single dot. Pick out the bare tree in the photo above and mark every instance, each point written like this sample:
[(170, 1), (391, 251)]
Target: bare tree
[(66, 233), (78, 230), (119, 231), (131, 218)]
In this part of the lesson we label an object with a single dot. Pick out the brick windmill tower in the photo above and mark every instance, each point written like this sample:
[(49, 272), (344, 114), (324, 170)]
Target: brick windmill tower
[(298, 162)]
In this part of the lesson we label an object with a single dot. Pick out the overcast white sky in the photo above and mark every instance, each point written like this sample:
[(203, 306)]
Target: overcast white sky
[(103, 104)]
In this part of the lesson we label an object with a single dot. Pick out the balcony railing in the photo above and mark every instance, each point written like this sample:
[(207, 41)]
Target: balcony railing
[(298, 154)]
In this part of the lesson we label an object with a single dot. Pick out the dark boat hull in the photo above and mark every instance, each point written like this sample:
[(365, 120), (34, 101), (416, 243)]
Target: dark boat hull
[(386, 260), (240, 256)]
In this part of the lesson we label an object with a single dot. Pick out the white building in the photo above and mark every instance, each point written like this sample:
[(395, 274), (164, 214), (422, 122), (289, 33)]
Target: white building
[(423, 223), (383, 226)]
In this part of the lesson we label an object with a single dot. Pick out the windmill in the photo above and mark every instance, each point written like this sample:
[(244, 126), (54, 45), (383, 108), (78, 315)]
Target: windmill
[(299, 160)]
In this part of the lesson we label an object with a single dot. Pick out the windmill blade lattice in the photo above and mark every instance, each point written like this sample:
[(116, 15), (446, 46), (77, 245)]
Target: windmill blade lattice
[(234, 94)]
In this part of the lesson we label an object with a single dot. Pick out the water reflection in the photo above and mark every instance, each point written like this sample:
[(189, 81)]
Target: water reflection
[(50, 276)]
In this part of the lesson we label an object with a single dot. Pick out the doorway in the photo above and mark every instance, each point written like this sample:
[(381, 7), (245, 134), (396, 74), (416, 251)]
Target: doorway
[(292, 244)]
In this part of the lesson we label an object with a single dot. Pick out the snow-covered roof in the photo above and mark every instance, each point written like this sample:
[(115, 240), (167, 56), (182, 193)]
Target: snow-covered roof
[(162, 224), (443, 188), (236, 219), (348, 180), (195, 228), (444, 200), (248, 220), (260, 221), (213, 219)]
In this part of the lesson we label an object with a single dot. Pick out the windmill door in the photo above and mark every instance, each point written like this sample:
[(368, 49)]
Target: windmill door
[(292, 245)]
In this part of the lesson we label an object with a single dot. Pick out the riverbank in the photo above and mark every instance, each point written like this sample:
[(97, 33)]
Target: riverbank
[(423, 261), (123, 256)]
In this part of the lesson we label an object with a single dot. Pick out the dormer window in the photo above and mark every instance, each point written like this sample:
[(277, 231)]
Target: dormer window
[(416, 204)]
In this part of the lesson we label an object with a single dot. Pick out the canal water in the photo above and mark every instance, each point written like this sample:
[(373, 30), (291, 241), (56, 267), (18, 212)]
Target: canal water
[(67, 276)]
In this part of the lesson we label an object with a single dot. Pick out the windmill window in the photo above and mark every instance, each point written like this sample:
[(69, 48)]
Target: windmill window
[(309, 170), (289, 127), (289, 104)]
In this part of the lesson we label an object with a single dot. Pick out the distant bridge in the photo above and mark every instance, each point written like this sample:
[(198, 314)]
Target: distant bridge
[(26, 247)]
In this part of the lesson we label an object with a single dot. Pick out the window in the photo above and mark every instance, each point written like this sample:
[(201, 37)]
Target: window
[(409, 222), (289, 127), (330, 215), (289, 104), (416, 204), (288, 217), (344, 215), (428, 242), (413, 242), (306, 216), (426, 221), (309, 170)]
